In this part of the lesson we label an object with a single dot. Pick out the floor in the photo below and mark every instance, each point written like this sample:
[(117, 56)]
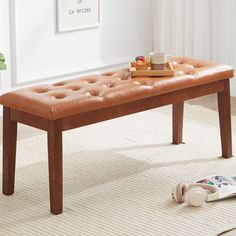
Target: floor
[(209, 102)]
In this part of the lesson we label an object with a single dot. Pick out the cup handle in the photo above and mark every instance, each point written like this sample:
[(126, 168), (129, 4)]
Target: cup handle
[(170, 57)]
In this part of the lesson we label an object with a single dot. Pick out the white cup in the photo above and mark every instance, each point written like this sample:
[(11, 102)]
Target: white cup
[(158, 60)]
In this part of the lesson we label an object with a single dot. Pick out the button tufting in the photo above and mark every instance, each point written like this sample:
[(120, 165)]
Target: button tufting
[(94, 93), (113, 85), (197, 66), (58, 96), (59, 84), (91, 81), (41, 90), (74, 88)]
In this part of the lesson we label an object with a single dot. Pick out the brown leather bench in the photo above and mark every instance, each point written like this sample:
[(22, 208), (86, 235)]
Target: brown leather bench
[(74, 103)]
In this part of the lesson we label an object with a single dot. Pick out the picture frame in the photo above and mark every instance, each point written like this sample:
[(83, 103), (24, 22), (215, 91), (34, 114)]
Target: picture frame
[(77, 15)]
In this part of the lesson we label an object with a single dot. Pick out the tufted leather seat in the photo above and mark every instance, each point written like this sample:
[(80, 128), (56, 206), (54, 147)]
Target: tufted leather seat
[(93, 92)]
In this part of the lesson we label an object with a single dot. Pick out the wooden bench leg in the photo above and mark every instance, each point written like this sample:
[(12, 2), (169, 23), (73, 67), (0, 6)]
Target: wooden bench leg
[(177, 116), (55, 166), (225, 120), (9, 152)]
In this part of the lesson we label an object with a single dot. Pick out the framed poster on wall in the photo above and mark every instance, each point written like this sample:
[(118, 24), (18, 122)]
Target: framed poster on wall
[(77, 14)]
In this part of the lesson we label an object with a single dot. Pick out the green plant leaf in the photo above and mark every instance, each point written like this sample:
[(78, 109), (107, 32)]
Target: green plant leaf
[(2, 66), (2, 58)]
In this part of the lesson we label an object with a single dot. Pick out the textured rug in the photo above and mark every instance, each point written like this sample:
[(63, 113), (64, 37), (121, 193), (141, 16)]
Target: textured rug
[(117, 179)]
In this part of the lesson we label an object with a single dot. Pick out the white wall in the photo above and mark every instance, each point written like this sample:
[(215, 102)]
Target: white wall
[(35, 52), (197, 28), (5, 76), (38, 52)]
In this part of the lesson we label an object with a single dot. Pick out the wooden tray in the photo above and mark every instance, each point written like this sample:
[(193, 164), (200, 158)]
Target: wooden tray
[(169, 71)]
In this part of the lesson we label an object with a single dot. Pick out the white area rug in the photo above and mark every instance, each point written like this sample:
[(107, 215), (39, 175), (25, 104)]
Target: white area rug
[(117, 179)]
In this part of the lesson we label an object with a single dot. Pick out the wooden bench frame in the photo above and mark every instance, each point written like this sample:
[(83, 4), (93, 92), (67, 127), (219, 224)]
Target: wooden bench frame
[(55, 129)]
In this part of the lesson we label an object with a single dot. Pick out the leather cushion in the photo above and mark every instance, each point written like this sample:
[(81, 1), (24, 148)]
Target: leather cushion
[(109, 89)]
